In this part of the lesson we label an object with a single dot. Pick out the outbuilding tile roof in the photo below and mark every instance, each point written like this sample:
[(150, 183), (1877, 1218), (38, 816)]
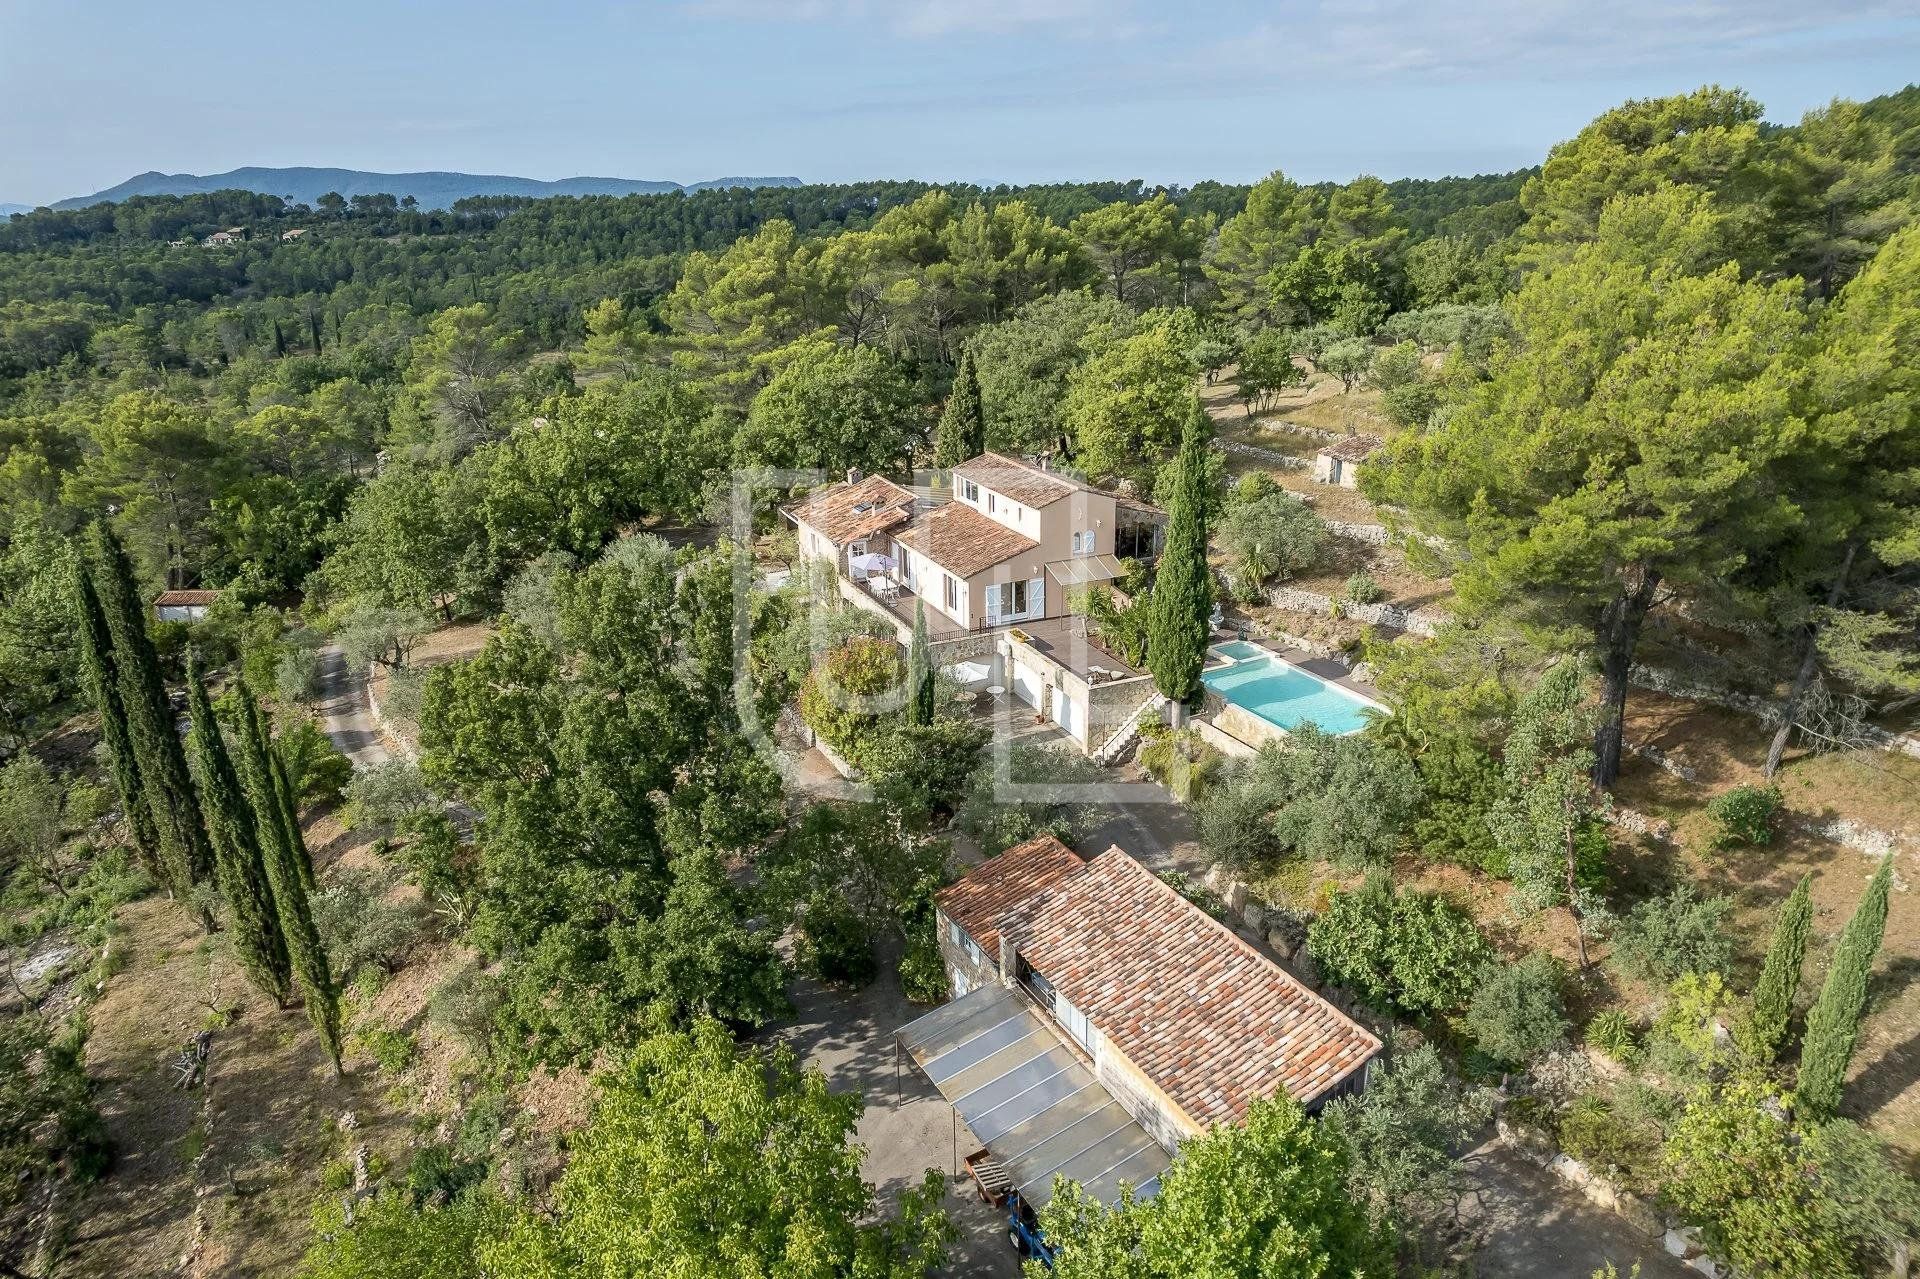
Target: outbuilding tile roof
[(184, 599), (978, 899), (961, 540), (1355, 448), (1211, 1021), (844, 512), (1013, 478)]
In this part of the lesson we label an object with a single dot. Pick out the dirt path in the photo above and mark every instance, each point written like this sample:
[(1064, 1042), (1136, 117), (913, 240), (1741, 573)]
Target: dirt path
[(344, 711), (136, 1220), (1537, 1229)]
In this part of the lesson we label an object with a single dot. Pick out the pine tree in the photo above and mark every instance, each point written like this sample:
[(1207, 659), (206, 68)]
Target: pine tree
[(185, 854), (309, 958), (1780, 975), (238, 868), (962, 432), (919, 671), (1833, 1024), (103, 685), (1182, 599)]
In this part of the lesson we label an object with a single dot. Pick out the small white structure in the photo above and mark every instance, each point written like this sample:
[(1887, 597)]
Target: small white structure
[(1339, 462), (183, 606)]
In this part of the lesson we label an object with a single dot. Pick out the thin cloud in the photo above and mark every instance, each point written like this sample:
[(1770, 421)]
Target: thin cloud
[(1373, 38), (919, 19)]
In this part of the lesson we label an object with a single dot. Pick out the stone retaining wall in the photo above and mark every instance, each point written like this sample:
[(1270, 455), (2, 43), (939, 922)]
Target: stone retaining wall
[(1271, 456), (1391, 616)]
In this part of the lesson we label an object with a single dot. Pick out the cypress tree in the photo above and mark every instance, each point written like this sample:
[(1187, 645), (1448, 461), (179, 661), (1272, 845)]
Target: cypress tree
[(1182, 599), (962, 432), (919, 671), (1780, 975), (1833, 1024), (103, 685), (238, 867), (185, 852), (286, 809), (310, 969)]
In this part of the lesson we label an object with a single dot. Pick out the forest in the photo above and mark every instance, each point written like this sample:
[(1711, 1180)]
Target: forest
[(1653, 402)]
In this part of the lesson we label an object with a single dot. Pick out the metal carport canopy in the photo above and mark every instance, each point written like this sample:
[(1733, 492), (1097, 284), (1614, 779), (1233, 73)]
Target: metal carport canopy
[(1030, 1100)]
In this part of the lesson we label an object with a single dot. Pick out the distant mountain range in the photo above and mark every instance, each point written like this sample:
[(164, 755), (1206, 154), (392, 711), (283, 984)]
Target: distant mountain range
[(432, 190)]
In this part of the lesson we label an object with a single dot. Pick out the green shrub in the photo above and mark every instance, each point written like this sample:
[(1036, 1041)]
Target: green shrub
[(1180, 761), (1411, 952), (1679, 932), (1612, 1033), (1745, 815), (1517, 1013), (835, 944), (1199, 894), (316, 769), (392, 1050), (923, 973), (1462, 784), (389, 794), (1617, 1140), (1362, 589)]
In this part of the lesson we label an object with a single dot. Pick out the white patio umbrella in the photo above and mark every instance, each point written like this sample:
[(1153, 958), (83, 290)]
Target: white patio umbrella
[(872, 562)]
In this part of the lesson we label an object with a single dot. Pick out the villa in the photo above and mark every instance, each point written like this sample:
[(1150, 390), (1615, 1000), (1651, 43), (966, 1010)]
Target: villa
[(1100, 1019), (993, 565)]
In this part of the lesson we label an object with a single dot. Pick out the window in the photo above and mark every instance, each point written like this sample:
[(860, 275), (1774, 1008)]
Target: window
[(953, 593), (857, 548), (969, 490), (1083, 542), (989, 503), (1013, 597)]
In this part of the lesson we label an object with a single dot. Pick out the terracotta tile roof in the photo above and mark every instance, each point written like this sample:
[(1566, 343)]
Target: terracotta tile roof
[(978, 899), (184, 599), (1211, 1021), (1021, 481), (846, 513), (961, 540), (1355, 448)]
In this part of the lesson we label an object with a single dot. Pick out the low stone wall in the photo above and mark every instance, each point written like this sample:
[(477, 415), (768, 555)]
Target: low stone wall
[(1766, 710), (1371, 534), (1286, 639), (401, 743), (1390, 616), (1270, 456), (961, 648)]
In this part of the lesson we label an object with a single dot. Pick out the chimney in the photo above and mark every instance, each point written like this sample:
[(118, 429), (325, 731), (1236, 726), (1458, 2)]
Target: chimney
[(1046, 462), (853, 475)]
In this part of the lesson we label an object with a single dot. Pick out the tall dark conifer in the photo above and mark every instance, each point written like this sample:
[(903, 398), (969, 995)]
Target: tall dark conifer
[(1182, 599), (239, 870), (1780, 975), (103, 686), (962, 432), (1833, 1023), (286, 805), (919, 671), (283, 857), (185, 852)]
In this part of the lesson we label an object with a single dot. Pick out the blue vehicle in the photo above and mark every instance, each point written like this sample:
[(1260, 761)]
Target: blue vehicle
[(1023, 1229)]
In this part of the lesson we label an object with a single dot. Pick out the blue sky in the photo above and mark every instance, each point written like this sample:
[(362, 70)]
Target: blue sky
[(977, 90)]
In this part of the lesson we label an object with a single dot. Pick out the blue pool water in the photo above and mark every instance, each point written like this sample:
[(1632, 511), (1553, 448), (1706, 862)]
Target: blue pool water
[(1238, 649), (1284, 695)]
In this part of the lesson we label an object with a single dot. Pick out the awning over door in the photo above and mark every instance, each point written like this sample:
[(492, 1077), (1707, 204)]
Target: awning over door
[(1038, 1110), (1084, 570)]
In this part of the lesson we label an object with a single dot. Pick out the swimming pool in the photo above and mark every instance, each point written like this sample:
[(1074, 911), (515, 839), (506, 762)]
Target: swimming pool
[(1281, 693)]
